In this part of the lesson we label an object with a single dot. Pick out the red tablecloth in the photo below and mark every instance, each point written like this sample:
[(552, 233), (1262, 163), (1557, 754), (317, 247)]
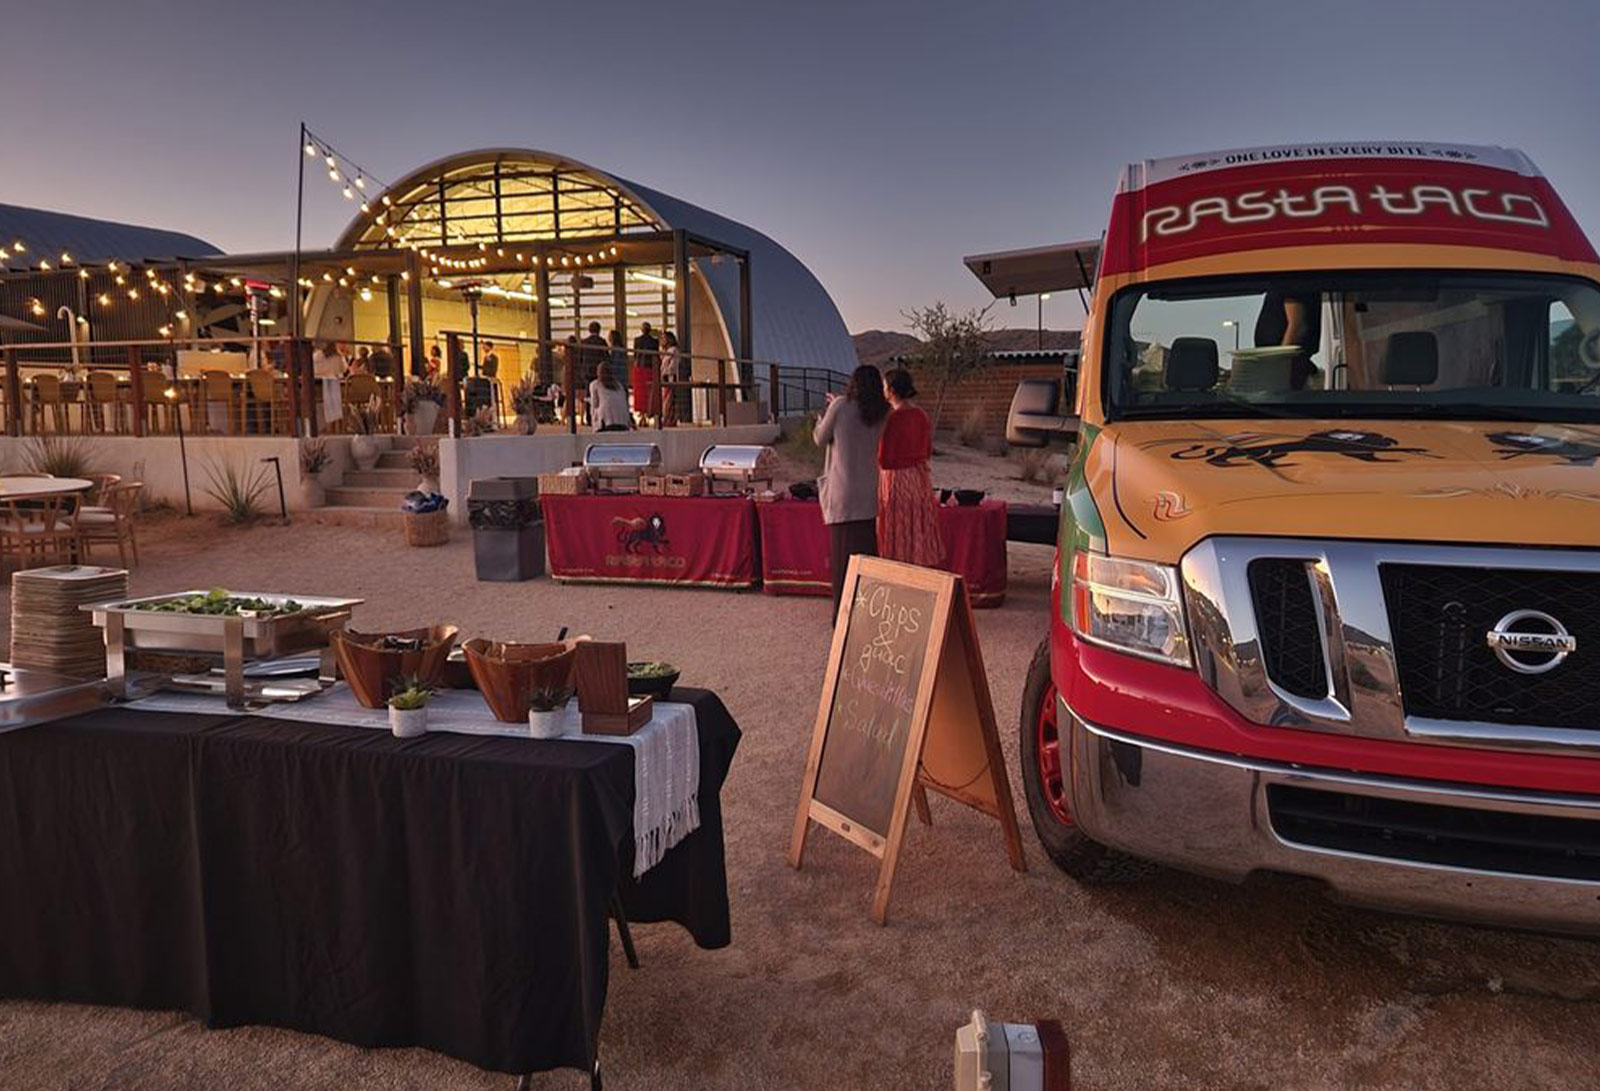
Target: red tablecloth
[(695, 541), (795, 557)]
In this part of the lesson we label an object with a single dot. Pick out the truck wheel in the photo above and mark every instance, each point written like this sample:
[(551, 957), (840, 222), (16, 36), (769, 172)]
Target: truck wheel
[(1045, 783)]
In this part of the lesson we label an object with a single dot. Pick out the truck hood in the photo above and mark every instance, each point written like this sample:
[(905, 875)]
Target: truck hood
[(1161, 486)]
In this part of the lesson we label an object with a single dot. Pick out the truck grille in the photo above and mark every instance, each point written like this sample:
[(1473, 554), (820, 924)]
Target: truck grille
[(1286, 618), (1440, 617), (1498, 841)]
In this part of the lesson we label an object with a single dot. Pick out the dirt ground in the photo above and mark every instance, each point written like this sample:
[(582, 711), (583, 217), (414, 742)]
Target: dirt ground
[(1169, 982)]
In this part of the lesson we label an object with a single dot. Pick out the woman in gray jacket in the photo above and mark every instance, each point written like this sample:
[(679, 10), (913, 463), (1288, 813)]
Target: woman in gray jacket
[(848, 434)]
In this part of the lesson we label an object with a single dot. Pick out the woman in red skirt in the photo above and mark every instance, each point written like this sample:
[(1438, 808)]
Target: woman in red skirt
[(908, 513)]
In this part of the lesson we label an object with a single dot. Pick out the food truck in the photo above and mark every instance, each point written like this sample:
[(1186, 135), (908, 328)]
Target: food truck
[(1327, 599)]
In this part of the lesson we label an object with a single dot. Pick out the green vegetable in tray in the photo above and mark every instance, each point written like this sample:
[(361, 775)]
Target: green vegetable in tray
[(650, 669), (218, 603)]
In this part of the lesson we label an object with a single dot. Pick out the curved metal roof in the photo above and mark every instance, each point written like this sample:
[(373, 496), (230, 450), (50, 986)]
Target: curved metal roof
[(90, 241), (795, 320)]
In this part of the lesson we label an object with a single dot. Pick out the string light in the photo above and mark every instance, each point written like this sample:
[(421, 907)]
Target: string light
[(66, 258), (103, 299), (311, 149)]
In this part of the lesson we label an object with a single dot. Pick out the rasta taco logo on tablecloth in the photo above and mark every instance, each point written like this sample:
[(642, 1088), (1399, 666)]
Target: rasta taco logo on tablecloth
[(1272, 451), (644, 533)]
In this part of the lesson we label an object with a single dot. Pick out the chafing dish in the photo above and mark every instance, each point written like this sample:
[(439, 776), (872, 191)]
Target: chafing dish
[(35, 696), (617, 466), (741, 465), (235, 639)]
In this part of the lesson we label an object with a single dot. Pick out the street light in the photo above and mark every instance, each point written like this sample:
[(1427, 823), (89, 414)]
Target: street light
[(1042, 297), (171, 394), (1230, 323)]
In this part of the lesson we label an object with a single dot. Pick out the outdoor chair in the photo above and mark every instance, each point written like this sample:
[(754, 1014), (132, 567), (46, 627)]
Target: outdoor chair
[(156, 406), (103, 392), (216, 388), (266, 401), (359, 390), (47, 395), (95, 499), (44, 532), (111, 522)]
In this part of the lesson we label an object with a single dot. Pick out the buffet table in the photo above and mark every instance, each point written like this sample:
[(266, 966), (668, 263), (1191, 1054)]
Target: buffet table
[(795, 553), (450, 891), (691, 541)]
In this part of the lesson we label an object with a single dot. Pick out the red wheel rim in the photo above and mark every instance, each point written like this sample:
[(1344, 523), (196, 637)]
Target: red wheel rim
[(1051, 782)]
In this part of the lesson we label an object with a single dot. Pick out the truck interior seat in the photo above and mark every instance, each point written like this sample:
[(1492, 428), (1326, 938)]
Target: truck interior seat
[(1191, 364), (1411, 359)]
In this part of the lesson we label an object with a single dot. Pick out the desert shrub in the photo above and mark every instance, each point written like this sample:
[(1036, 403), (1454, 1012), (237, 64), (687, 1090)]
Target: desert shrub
[(237, 487), (974, 428), (800, 445), (1035, 467), (59, 456)]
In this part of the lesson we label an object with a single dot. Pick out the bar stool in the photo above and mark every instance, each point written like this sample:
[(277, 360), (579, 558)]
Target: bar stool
[(217, 387), (263, 397), (47, 393), (104, 391)]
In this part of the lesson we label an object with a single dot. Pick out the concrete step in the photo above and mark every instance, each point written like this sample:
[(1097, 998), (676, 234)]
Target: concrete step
[(394, 460), (403, 479), (385, 518), (356, 496)]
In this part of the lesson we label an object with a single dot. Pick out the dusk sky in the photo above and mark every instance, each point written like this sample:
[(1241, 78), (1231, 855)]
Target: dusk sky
[(879, 142)]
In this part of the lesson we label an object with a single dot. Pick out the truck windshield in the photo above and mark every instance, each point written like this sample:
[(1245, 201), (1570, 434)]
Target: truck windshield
[(1469, 346)]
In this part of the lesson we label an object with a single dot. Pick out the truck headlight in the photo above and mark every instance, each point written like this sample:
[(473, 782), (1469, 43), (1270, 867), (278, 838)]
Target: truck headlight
[(1131, 606)]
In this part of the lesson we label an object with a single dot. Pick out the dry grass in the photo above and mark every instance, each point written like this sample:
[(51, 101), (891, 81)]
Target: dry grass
[(973, 430)]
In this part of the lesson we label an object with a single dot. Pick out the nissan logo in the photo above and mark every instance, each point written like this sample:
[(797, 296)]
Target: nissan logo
[(1531, 652)]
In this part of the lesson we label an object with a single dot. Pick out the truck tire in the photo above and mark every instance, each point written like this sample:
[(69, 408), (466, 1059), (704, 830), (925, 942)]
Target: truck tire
[(1046, 785)]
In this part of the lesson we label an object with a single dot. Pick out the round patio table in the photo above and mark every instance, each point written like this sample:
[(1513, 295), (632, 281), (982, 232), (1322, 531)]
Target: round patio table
[(34, 488)]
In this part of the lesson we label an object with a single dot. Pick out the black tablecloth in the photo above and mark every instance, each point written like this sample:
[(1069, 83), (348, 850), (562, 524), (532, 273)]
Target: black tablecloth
[(449, 891)]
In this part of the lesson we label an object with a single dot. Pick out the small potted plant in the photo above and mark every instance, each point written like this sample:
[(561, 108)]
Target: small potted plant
[(364, 422), (425, 460), (420, 401), (481, 423), (525, 404), (408, 709), (314, 460), (547, 711)]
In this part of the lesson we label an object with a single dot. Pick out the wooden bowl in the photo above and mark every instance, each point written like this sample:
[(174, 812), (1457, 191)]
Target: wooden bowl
[(508, 674), (373, 671)]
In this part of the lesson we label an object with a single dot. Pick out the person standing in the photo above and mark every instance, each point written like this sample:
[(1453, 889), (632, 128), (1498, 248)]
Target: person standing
[(608, 401), (382, 362), (848, 434), (908, 514), (489, 366), (672, 396), (595, 350), (646, 358), (435, 363)]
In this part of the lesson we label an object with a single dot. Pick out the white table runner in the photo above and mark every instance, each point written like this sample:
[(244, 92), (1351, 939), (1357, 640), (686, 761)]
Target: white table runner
[(666, 751)]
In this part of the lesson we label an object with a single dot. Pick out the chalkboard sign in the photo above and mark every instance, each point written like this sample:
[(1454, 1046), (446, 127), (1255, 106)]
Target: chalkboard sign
[(905, 709), (887, 631)]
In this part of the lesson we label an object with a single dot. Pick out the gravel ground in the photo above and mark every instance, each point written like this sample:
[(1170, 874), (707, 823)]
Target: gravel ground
[(1169, 982)]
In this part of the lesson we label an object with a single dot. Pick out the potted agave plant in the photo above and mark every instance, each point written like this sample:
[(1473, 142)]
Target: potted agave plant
[(547, 712), (420, 401), (314, 461), (408, 709), (364, 421), (425, 460), (525, 403)]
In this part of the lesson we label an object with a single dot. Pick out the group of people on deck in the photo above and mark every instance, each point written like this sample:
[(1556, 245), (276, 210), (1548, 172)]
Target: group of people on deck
[(876, 485)]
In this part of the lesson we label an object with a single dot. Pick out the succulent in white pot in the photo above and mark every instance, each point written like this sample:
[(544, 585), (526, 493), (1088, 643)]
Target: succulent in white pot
[(408, 709), (363, 423), (548, 716)]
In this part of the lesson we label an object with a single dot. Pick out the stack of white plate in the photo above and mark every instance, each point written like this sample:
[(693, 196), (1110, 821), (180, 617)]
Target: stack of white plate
[(48, 630)]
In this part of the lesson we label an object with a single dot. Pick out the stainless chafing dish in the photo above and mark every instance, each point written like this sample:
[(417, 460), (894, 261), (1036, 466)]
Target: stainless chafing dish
[(237, 640), (740, 464), (617, 466)]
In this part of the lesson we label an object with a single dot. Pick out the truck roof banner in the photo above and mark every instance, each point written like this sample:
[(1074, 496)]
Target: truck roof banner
[(1189, 207)]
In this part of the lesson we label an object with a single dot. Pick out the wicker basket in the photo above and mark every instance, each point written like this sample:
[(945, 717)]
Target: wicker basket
[(563, 484), (686, 485), (428, 528)]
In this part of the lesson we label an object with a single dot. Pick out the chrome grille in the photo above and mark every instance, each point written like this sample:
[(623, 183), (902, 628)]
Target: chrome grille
[(1396, 660)]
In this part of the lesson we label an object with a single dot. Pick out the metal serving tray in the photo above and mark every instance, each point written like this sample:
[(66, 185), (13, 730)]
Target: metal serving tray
[(236, 639)]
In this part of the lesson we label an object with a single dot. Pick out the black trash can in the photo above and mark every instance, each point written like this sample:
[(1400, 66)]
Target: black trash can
[(507, 527)]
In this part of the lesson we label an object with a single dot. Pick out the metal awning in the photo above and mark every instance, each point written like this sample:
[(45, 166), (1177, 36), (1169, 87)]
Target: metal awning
[(1061, 267)]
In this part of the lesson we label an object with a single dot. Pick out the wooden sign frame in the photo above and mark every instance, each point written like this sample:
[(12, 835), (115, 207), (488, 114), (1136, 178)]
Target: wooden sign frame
[(952, 724)]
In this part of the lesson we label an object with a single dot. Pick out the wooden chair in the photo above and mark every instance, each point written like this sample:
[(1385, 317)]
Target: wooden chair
[(217, 387), (156, 405), (47, 394), (45, 532), (111, 522), (95, 498), (358, 391), (265, 398), (103, 392)]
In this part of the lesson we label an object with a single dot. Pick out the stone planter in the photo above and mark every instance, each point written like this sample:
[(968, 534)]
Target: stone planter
[(365, 451), (408, 723), (316, 493), (550, 724), (423, 416), (526, 425)]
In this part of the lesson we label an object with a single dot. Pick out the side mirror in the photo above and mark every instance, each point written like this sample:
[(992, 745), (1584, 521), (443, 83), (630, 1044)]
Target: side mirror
[(1035, 417)]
